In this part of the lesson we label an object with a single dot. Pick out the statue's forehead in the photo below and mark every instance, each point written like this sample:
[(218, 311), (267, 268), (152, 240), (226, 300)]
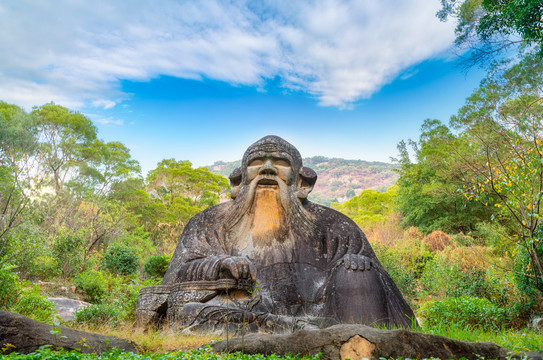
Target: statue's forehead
[(269, 153)]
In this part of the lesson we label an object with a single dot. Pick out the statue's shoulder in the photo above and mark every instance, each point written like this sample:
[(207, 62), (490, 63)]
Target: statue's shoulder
[(210, 214)]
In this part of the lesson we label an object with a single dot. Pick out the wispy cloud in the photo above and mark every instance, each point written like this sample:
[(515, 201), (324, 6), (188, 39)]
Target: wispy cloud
[(76, 52), (105, 120)]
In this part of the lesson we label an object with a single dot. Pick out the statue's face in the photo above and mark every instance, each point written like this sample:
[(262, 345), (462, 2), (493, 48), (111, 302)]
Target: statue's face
[(269, 167)]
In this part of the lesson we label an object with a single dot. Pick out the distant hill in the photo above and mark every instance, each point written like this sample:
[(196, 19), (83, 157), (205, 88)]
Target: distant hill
[(338, 179)]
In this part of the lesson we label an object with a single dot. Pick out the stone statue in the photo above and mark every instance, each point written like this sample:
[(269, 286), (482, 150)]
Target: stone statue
[(271, 260)]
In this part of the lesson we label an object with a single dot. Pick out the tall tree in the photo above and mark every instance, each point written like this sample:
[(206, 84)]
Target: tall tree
[(502, 160), (19, 176), (427, 195), (177, 192), (489, 27), (65, 137)]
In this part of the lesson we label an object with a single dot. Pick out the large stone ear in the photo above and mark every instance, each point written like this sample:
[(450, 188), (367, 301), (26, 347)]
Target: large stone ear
[(306, 180), (235, 182)]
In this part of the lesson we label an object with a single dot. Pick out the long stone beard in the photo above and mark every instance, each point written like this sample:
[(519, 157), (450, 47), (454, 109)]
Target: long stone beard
[(269, 217), (261, 219)]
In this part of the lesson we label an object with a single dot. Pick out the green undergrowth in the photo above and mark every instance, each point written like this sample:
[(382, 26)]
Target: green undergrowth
[(199, 354), (514, 340)]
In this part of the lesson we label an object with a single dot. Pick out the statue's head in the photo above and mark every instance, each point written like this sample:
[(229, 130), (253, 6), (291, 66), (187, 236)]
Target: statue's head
[(272, 161)]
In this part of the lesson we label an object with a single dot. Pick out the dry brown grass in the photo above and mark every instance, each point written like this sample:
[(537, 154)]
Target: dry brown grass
[(469, 257), (437, 241), (155, 340), (388, 233)]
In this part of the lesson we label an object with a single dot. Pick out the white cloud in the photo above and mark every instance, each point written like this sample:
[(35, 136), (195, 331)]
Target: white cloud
[(104, 120), (75, 52), (103, 103)]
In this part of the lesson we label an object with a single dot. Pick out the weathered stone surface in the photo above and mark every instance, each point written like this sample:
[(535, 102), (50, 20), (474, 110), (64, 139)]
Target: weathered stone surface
[(287, 263), (357, 342), (151, 305), (26, 335), (66, 308), (537, 324)]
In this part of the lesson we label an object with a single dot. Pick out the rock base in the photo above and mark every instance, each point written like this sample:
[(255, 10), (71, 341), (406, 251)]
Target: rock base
[(25, 335), (357, 342)]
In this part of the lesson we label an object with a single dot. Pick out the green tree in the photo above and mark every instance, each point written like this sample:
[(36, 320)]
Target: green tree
[(428, 196), (176, 193), (502, 158), (489, 27), (65, 138), (370, 207), (20, 179)]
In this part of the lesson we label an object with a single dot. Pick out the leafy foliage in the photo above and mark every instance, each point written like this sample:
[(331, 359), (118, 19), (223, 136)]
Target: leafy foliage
[(93, 285), (501, 154), (491, 26), (10, 287), (157, 265), (120, 260), (35, 305), (176, 193), (465, 311), (428, 195), (197, 354), (97, 315), (368, 208)]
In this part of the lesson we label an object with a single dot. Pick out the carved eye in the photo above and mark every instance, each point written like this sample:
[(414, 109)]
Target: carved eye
[(281, 162), (255, 162)]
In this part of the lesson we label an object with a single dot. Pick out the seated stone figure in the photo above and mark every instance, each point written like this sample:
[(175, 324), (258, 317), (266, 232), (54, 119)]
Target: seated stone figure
[(271, 260)]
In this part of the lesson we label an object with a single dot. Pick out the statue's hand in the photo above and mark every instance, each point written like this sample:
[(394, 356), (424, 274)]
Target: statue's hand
[(357, 262), (238, 267)]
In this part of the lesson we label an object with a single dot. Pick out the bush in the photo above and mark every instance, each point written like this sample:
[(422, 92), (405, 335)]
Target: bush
[(67, 250), (458, 272), (93, 285), (10, 286), (464, 312), (120, 260), (157, 265), (98, 315), (35, 305)]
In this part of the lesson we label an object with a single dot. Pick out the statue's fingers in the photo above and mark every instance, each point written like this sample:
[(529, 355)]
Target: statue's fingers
[(354, 262), (367, 264), (347, 261)]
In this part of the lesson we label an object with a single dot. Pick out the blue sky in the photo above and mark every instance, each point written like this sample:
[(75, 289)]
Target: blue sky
[(202, 80)]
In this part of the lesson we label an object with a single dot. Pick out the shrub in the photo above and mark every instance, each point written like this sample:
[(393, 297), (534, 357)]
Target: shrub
[(35, 305), (464, 312), (10, 286), (405, 262), (460, 272), (67, 250), (157, 265), (120, 260), (98, 315), (93, 285), (437, 240)]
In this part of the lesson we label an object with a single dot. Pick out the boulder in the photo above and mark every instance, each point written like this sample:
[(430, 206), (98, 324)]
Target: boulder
[(66, 308), (25, 335), (537, 324), (362, 342)]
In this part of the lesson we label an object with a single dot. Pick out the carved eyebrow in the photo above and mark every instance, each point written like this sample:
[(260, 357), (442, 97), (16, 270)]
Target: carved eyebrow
[(281, 158)]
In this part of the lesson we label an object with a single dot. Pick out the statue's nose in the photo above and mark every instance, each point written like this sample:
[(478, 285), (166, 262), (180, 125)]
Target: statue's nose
[(268, 169)]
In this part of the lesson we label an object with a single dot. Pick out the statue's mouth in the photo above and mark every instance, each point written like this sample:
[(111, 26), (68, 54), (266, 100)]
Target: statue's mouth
[(267, 182)]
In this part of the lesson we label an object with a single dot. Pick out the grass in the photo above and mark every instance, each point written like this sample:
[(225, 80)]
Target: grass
[(160, 340), (155, 340), (515, 340), (199, 354)]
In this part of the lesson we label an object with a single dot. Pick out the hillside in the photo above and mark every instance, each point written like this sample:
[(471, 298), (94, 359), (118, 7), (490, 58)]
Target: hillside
[(338, 179)]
